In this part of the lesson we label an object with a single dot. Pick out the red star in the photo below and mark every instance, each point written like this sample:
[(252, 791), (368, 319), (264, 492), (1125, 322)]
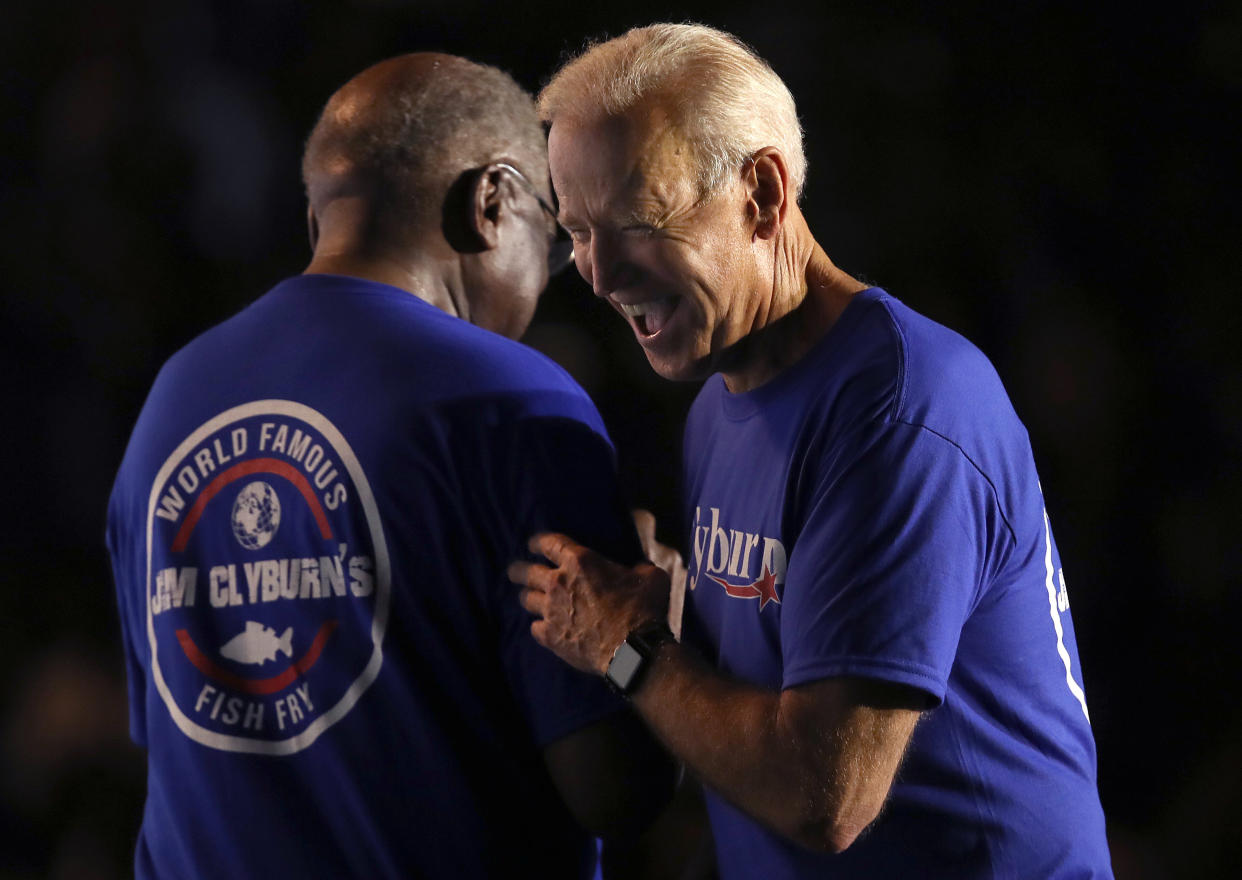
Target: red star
[(766, 587)]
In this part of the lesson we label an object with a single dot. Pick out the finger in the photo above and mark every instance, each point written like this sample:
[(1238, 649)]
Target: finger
[(539, 631), (534, 601), (529, 574), (554, 547)]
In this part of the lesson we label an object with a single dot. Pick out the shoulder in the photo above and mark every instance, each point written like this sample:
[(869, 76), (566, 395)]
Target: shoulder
[(948, 393), (887, 349), (385, 338), (885, 367), (884, 362), (367, 356), (532, 384), (458, 359), (946, 384), (508, 365)]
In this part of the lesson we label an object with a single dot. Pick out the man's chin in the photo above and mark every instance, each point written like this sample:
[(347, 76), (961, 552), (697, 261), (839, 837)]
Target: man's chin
[(678, 368)]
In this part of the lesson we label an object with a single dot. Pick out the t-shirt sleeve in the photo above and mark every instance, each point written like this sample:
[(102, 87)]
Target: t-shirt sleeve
[(562, 477), (899, 531), (130, 594)]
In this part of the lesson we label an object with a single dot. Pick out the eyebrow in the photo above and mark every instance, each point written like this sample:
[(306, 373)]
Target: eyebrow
[(634, 216)]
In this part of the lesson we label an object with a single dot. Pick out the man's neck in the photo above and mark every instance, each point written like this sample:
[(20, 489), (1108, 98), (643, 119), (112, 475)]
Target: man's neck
[(814, 293), (413, 277)]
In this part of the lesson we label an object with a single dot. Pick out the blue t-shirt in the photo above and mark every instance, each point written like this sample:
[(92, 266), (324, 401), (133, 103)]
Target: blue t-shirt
[(309, 531), (874, 511)]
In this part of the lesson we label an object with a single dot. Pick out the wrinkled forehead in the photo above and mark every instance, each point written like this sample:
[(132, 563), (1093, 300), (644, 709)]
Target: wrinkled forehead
[(605, 158)]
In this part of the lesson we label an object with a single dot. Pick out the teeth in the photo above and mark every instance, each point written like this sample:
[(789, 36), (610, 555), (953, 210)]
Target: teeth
[(650, 317), (645, 308), (638, 309)]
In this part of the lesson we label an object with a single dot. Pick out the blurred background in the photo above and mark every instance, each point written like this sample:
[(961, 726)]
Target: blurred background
[(1059, 182)]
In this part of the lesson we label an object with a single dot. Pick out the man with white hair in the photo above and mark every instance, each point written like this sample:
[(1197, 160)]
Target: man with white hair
[(877, 622)]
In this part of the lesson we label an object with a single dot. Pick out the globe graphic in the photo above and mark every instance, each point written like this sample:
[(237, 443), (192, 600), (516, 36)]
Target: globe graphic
[(256, 515)]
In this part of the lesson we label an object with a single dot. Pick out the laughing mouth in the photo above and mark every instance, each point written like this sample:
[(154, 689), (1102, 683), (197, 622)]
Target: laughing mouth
[(650, 317)]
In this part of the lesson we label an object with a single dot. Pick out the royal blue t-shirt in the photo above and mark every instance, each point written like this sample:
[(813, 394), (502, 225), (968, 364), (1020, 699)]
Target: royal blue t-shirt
[(310, 529), (874, 511)]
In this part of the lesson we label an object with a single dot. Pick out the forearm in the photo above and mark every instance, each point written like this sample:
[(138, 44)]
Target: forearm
[(736, 739), (813, 762)]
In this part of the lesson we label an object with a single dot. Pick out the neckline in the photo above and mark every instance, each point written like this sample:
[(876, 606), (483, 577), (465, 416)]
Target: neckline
[(328, 279), (744, 404)]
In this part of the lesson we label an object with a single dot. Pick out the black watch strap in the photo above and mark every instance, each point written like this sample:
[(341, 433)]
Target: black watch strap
[(632, 656)]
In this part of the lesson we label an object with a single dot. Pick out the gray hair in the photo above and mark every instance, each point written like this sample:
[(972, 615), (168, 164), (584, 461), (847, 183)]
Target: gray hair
[(428, 122), (726, 100)]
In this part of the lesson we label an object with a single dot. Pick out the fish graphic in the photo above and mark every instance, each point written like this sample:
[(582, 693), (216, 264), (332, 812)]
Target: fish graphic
[(257, 644)]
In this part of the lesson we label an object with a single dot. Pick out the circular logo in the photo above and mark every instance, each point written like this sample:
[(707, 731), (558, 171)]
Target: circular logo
[(268, 580), (256, 515)]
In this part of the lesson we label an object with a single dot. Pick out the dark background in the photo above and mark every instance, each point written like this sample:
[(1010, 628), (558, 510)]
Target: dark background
[(1058, 183)]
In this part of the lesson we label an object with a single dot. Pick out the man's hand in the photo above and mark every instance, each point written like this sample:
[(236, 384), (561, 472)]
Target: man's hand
[(813, 762), (587, 604)]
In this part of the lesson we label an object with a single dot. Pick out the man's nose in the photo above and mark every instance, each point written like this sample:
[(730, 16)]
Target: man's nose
[(607, 266)]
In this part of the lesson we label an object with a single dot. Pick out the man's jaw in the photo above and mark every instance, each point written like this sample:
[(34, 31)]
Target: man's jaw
[(650, 317)]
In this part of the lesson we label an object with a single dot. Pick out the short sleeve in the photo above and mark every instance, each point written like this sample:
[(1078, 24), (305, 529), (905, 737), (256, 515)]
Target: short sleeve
[(898, 534), (562, 477)]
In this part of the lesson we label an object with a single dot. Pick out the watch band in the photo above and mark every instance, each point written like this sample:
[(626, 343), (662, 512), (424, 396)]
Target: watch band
[(632, 656)]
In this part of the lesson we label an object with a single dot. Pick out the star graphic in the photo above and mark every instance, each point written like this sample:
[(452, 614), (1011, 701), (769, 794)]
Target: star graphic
[(763, 589), (766, 588)]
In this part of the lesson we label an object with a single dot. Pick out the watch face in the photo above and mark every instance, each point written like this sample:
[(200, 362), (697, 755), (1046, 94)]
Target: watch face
[(624, 666)]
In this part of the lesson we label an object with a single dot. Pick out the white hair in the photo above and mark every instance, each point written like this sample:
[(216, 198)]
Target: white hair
[(725, 99)]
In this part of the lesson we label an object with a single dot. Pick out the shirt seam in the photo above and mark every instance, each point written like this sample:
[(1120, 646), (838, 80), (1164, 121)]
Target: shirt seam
[(973, 773), (852, 663), (899, 401), (980, 471), (903, 374), (724, 403)]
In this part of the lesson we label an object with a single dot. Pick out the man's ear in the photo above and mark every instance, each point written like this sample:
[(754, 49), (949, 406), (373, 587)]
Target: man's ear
[(312, 226), (767, 181), (485, 206), (472, 210)]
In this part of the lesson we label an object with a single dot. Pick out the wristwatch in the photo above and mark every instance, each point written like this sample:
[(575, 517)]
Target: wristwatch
[(633, 655)]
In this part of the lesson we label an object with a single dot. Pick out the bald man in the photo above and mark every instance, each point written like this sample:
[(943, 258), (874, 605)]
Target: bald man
[(309, 529)]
